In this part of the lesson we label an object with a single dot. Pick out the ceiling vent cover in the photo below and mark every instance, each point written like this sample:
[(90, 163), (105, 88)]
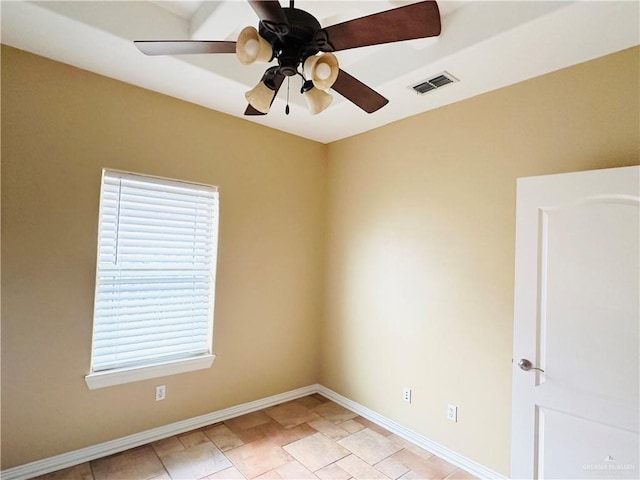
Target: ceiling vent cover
[(437, 81)]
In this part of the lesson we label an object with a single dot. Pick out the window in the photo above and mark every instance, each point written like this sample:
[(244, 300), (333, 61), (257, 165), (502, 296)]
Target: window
[(155, 281)]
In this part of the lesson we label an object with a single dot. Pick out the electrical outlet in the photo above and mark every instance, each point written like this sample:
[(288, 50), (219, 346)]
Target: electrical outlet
[(452, 413), (406, 394), (161, 392)]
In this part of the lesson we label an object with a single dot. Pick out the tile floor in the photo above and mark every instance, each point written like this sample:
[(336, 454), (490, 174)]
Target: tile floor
[(307, 438)]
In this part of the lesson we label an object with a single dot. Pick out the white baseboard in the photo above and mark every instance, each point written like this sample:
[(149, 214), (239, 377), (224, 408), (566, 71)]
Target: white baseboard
[(441, 451), (76, 457), (58, 462)]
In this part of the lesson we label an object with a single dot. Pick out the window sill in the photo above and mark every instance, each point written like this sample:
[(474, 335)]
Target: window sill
[(128, 375)]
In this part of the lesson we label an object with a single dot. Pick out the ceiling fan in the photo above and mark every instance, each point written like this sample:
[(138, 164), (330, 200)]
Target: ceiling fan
[(302, 47)]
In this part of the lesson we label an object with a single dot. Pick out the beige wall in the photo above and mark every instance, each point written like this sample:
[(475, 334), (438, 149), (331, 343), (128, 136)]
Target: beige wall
[(60, 126), (417, 285), (420, 259)]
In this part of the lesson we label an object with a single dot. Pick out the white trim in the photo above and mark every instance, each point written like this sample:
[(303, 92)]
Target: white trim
[(76, 457), (421, 441), (109, 378), (161, 180), (65, 460)]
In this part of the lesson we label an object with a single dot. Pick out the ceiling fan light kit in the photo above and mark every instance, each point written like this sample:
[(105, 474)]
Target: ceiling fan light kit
[(303, 48), (260, 97), (322, 69), (317, 100), (252, 48)]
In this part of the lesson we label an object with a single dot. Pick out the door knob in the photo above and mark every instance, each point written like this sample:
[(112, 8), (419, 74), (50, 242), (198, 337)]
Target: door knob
[(526, 365)]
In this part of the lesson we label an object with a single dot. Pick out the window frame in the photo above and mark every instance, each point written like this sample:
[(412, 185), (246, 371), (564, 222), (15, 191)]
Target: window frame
[(154, 368)]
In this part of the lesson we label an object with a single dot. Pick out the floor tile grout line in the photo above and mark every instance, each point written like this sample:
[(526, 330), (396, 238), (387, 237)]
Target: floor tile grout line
[(93, 475), (164, 466)]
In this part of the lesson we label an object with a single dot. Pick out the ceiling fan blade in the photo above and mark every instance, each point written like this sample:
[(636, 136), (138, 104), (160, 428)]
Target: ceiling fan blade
[(269, 11), (278, 78), (418, 20), (357, 92), (250, 111), (184, 47)]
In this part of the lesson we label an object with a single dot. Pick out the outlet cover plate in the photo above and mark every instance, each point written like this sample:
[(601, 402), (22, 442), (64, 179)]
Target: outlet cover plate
[(161, 392), (406, 394), (452, 413)]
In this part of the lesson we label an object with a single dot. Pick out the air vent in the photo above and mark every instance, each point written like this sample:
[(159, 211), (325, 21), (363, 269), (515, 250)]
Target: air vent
[(437, 81)]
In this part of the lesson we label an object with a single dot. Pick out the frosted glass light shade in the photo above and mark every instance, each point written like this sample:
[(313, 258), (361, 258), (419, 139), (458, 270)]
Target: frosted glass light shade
[(260, 97), (322, 70), (251, 47), (317, 100)]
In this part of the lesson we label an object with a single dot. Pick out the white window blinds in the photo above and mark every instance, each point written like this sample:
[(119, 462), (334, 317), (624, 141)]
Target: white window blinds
[(155, 283)]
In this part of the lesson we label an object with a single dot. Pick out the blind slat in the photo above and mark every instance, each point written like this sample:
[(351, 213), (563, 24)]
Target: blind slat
[(142, 338), (145, 302), (149, 224), (121, 319)]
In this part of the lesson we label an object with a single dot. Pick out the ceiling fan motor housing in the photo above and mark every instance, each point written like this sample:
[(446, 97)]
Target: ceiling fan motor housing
[(294, 46)]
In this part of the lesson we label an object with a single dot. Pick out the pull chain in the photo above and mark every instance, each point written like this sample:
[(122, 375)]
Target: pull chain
[(286, 110)]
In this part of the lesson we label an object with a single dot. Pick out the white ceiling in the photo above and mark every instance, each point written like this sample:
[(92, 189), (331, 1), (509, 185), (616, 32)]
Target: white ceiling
[(486, 45)]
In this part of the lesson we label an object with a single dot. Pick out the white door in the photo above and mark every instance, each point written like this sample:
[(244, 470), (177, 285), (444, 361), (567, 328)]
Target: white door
[(577, 317)]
